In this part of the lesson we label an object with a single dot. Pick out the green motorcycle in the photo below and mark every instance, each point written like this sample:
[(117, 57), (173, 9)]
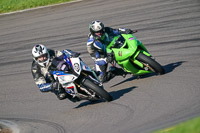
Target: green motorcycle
[(132, 55)]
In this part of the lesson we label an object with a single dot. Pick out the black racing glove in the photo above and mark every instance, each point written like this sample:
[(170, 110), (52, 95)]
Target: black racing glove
[(54, 86), (134, 31), (127, 31)]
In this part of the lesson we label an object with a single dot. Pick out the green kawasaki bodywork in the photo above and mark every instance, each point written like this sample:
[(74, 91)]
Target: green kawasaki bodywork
[(126, 55)]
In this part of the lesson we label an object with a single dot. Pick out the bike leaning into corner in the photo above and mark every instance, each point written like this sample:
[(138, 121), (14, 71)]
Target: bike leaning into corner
[(81, 81), (132, 55)]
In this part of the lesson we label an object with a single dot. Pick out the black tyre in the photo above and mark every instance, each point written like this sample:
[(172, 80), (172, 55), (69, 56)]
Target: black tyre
[(150, 63), (97, 89)]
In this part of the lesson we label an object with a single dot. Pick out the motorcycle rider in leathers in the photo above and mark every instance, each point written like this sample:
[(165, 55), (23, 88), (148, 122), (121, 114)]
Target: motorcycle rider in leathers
[(98, 38), (46, 60)]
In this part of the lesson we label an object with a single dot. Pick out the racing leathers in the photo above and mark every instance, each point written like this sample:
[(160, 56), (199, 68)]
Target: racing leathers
[(43, 77), (97, 50)]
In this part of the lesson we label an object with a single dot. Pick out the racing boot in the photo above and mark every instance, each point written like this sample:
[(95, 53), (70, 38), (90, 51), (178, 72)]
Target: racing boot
[(118, 71), (61, 94)]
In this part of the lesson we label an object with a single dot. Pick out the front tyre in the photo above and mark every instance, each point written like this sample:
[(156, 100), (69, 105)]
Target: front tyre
[(89, 84), (150, 63)]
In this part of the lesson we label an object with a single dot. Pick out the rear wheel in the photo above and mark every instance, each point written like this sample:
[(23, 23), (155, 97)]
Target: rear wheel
[(89, 84), (151, 64)]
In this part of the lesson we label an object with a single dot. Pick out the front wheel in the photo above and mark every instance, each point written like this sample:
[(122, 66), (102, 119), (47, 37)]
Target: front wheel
[(89, 84), (150, 63)]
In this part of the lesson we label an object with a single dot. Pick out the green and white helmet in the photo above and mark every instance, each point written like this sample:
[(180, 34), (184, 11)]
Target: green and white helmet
[(97, 29)]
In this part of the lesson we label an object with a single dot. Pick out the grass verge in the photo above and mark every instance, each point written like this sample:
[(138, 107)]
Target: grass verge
[(191, 126), (15, 5)]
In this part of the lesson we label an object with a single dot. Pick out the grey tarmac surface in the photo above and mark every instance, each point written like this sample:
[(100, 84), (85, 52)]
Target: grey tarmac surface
[(169, 29)]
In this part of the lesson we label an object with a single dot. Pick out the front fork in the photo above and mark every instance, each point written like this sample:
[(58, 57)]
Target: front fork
[(137, 62)]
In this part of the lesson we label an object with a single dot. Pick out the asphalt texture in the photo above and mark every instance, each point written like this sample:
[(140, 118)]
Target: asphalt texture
[(170, 31)]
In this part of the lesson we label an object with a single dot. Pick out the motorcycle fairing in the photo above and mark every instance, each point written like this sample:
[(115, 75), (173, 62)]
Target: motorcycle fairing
[(75, 64), (63, 77), (126, 55)]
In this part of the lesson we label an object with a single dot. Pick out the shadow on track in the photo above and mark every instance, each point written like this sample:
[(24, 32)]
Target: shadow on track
[(87, 103), (168, 68), (115, 95)]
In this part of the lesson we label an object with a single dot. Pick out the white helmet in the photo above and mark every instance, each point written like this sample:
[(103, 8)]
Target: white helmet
[(38, 51)]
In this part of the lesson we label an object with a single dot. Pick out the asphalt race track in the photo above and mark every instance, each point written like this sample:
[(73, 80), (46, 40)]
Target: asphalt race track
[(169, 29)]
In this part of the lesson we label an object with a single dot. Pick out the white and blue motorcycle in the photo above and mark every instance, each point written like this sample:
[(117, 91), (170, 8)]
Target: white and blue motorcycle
[(82, 82)]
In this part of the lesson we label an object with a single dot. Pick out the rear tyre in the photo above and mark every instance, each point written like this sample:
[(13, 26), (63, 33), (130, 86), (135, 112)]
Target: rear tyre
[(97, 89), (152, 64)]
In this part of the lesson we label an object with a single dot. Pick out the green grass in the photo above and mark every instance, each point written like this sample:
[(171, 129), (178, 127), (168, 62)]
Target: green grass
[(191, 126), (14, 5)]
